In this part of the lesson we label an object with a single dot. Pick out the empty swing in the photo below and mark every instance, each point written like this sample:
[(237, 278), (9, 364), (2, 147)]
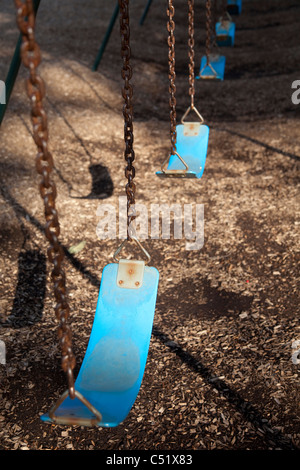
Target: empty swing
[(189, 140), (111, 373), (225, 28), (212, 66), (112, 370), (234, 7)]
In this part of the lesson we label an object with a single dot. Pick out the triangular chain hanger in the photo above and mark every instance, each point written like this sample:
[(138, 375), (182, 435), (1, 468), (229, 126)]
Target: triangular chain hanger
[(165, 164), (72, 419), (188, 111), (138, 243), (208, 64), (225, 15)]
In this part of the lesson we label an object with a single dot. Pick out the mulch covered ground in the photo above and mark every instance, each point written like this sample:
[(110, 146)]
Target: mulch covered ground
[(220, 373)]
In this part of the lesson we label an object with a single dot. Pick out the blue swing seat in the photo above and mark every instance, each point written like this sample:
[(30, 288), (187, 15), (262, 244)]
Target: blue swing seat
[(214, 70), (225, 33), (112, 370), (234, 7), (191, 147)]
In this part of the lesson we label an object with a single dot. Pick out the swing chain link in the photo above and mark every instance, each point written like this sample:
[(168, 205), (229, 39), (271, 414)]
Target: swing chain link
[(127, 93), (191, 44), (31, 58), (224, 8), (213, 23), (208, 30), (172, 75)]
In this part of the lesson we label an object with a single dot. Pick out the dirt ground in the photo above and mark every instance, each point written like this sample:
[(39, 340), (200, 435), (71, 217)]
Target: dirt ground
[(220, 371)]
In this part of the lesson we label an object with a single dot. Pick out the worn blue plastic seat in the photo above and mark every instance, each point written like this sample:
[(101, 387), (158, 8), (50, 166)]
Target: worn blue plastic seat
[(212, 67), (113, 367), (225, 33), (191, 150), (234, 7)]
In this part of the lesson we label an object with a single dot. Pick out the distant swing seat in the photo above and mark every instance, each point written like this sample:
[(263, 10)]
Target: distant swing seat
[(234, 7), (191, 149), (112, 370), (212, 67), (225, 33)]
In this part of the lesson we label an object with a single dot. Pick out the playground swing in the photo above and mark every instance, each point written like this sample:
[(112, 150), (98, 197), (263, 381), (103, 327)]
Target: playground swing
[(113, 366), (212, 66), (225, 28), (189, 140), (234, 7)]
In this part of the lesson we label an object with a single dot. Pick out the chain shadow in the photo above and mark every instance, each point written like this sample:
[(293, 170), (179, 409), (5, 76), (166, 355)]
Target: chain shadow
[(247, 410), (21, 212), (102, 185), (259, 142), (28, 304)]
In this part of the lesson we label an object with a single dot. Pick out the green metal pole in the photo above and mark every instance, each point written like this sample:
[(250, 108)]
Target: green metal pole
[(145, 12), (106, 37), (14, 69)]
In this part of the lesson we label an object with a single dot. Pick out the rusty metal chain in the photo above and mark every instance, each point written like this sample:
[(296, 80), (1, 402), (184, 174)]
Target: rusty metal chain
[(172, 75), (208, 29), (225, 16), (191, 44), (214, 21), (31, 58), (224, 8), (127, 93)]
